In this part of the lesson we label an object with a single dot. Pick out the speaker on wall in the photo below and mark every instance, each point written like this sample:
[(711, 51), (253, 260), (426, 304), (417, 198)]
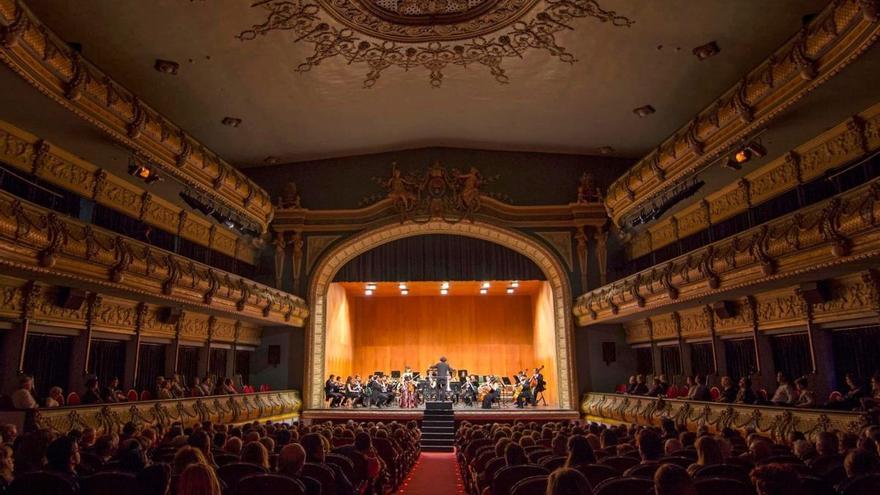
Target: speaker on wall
[(724, 309), (817, 292), (70, 298), (274, 355), (170, 316), (609, 352)]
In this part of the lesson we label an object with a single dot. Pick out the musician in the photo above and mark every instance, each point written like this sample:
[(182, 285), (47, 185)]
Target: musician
[(380, 397), (469, 391), (352, 391), (538, 386), (493, 393), (443, 374), (525, 393), (408, 393), (331, 391)]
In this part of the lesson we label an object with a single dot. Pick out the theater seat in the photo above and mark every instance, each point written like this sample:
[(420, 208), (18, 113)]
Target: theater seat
[(231, 474), (533, 485), (868, 484), (722, 486), (269, 483), (553, 463), (73, 399), (132, 395), (620, 463), (146, 395), (814, 485), (40, 482), (729, 471), (597, 473), (323, 474), (683, 462), (106, 483), (624, 486), (508, 476), (646, 470)]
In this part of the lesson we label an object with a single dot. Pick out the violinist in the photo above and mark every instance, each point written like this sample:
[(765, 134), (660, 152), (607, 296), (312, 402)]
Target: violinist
[(492, 391), (469, 391), (523, 392)]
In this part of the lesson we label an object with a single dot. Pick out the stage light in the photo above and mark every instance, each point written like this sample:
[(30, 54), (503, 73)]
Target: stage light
[(510, 290), (404, 292), (143, 172), (443, 292), (484, 291), (515, 283), (368, 292), (401, 286), (485, 285), (371, 286), (444, 285)]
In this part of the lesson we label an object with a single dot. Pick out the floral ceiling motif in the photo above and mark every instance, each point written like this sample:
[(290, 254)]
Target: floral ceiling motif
[(428, 34)]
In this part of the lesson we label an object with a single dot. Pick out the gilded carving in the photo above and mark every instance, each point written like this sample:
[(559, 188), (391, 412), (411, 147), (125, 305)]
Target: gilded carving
[(561, 242)]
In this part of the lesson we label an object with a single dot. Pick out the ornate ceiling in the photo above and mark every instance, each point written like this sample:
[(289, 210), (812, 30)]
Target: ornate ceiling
[(531, 75)]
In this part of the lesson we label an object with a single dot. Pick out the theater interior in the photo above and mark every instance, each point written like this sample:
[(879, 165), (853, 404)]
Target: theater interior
[(482, 247)]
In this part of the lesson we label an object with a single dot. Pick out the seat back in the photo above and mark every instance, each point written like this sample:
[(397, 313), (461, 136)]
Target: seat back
[(814, 485), (106, 483), (624, 486), (538, 453), (269, 483), (553, 463), (40, 482), (643, 470), (506, 477), (146, 395), (73, 399), (868, 484), (683, 462), (344, 463), (359, 473), (728, 471), (597, 473), (154, 479), (323, 474), (619, 463), (224, 459), (533, 485), (231, 474), (722, 486), (132, 395)]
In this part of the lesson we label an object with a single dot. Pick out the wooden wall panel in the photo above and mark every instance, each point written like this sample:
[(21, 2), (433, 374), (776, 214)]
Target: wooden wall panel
[(338, 338), (484, 334), (545, 339)]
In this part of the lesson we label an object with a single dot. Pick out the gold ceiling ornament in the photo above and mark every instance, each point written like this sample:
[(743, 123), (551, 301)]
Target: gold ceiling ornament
[(431, 34)]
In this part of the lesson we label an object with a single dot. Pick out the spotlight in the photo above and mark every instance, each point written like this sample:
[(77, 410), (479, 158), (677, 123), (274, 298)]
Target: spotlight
[(371, 286), (748, 152), (444, 292), (484, 291), (401, 286), (444, 285), (143, 172), (485, 285), (404, 292), (510, 290), (368, 292), (515, 283)]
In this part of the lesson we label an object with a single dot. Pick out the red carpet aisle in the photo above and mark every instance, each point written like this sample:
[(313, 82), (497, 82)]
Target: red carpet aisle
[(435, 473)]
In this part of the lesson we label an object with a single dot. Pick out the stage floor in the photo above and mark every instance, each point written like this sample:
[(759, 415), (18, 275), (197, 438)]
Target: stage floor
[(462, 413)]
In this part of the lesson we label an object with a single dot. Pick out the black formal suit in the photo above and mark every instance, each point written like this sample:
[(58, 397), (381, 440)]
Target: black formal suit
[(332, 393), (442, 379)]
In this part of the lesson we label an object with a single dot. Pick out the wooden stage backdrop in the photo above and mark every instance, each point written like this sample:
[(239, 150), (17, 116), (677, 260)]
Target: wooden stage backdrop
[(483, 334)]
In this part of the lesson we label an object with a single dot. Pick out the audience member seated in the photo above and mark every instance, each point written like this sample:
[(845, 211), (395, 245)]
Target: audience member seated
[(699, 391), (670, 479), (23, 397), (745, 394), (641, 388), (728, 391), (805, 396), (56, 397), (567, 481), (92, 394)]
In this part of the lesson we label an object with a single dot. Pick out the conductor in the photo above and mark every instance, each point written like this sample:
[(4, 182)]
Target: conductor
[(442, 378)]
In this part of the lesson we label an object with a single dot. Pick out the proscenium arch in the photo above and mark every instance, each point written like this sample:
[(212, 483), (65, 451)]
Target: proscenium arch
[(331, 262)]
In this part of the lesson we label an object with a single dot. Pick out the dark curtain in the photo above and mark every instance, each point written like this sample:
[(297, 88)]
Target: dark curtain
[(188, 362), (107, 359), (776, 207), (644, 361), (702, 359), (856, 350), (439, 257), (47, 359), (740, 357), (791, 354), (243, 364), (670, 361), (217, 363), (151, 365), (731, 226)]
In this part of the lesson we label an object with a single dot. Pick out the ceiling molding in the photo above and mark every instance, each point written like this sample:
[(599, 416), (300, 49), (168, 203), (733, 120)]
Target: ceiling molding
[(837, 36), (46, 62)]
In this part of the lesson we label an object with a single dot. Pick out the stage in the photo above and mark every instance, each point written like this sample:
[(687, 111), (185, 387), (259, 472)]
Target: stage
[(461, 413)]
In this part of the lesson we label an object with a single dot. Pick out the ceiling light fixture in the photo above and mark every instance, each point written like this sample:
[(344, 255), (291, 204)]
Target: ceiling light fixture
[(371, 286), (401, 286), (510, 290), (444, 285), (515, 283), (484, 291), (485, 285), (166, 67), (443, 292), (752, 150), (644, 111), (231, 121), (404, 292), (708, 50), (368, 292), (142, 170), (271, 160)]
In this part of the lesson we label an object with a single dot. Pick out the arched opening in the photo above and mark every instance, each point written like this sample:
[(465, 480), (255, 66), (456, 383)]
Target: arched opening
[(330, 264)]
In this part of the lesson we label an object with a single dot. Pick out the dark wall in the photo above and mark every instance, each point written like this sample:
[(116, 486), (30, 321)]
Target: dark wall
[(526, 178), (592, 372)]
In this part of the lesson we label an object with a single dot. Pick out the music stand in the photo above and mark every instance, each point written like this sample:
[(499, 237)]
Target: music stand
[(505, 380), (416, 375), (395, 374), (378, 373)]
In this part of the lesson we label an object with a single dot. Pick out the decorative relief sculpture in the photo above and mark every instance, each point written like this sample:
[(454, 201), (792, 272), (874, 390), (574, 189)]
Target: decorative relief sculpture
[(289, 197), (428, 34), (450, 195), (588, 191)]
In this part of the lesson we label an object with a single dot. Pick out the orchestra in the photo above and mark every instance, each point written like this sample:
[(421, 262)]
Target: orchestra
[(410, 389)]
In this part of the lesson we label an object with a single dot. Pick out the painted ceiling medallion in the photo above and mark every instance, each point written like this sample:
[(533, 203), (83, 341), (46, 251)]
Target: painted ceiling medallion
[(428, 34)]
